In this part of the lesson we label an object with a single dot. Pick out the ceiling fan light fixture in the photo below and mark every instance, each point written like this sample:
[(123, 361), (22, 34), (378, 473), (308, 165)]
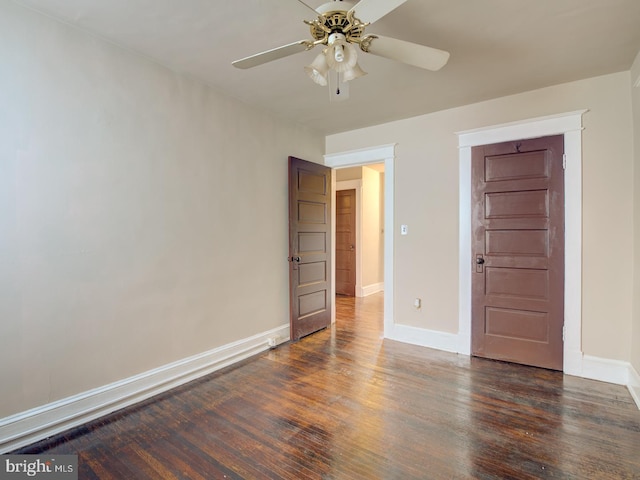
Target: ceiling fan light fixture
[(336, 38), (318, 69), (353, 73), (346, 52)]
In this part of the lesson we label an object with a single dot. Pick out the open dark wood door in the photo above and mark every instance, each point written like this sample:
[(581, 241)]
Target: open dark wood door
[(346, 242), (309, 247), (518, 252)]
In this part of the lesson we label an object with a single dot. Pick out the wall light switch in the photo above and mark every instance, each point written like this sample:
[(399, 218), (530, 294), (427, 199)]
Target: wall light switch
[(404, 229)]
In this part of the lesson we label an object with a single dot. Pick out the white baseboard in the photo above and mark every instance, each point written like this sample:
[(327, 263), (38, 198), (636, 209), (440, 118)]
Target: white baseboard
[(576, 364), (610, 371), (605, 370), (634, 385), (371, 289), (36, 424), (448, 342)]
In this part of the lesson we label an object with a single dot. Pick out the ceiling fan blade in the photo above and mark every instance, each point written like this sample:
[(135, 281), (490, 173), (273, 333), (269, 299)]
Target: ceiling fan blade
[(410, 53), (270, 55), (308, 6), (373, 10)]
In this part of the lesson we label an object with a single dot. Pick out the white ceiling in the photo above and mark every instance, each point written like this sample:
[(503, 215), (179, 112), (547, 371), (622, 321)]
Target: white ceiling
[(498, 47)]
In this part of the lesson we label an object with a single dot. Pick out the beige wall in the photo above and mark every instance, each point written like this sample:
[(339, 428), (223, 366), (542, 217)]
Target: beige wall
[(127, 240), (426, 199), (635, 92), (372, 245), (381, 206), (345, 174)]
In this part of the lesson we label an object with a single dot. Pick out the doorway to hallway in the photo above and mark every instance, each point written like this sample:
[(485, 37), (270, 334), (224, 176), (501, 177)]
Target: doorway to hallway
[(383, 154), (359, 230)]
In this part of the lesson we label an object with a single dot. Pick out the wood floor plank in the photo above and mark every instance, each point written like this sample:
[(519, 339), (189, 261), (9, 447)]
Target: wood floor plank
[(346, 404)]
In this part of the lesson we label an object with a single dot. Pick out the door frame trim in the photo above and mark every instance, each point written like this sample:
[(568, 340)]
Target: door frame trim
[(355, 158), (567, 124)]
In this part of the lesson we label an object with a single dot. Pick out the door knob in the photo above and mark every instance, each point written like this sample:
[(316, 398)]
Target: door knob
[(479, 260), (294, 259)]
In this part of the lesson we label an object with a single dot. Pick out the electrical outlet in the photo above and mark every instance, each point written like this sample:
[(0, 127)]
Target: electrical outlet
[(404, 229), (272, 342)]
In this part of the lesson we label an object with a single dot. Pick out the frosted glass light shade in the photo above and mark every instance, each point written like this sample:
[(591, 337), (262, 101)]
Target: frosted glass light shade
[(353, 73), (318, 69)]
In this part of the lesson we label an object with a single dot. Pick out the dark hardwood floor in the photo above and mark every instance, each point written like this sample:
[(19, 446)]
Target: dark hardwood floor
[(344, 404)]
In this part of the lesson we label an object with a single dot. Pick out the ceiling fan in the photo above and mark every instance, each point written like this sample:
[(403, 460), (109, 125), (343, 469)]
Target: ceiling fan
[(338, 28)]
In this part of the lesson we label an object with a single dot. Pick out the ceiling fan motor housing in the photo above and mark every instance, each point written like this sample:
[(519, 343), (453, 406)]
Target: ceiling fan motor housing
[(334, 21)]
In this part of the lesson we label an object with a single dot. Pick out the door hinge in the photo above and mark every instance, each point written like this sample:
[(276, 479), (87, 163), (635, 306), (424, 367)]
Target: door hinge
[(564, 161)]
